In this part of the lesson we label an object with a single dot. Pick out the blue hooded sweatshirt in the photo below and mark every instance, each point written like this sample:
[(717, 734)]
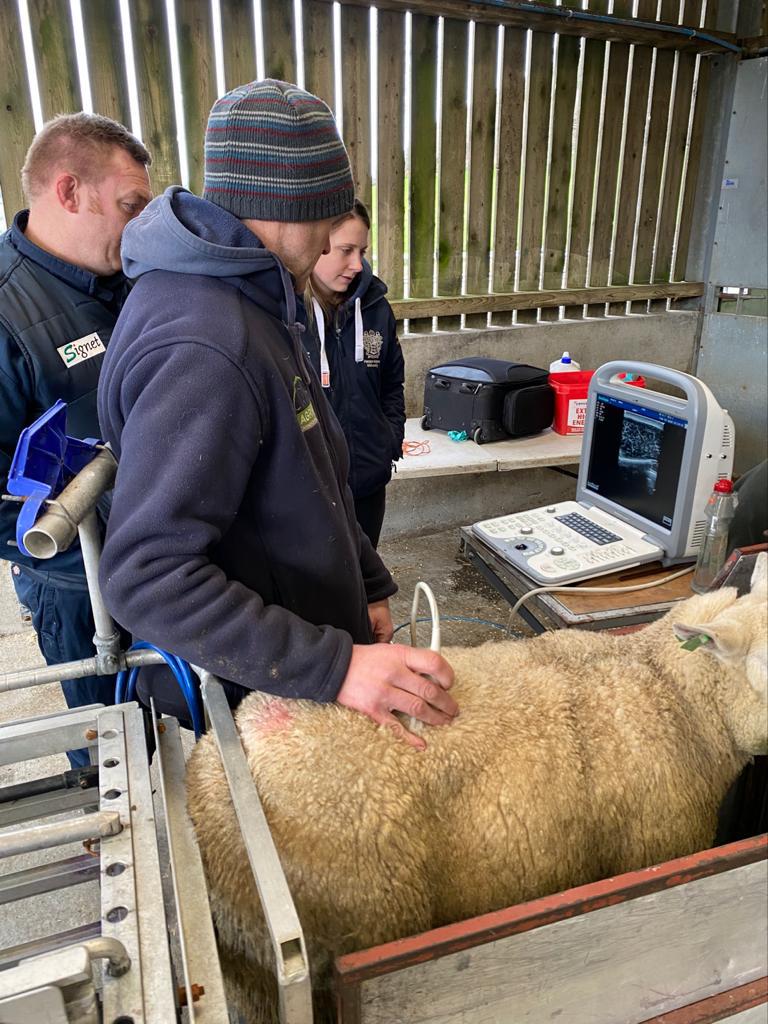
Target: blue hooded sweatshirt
[(232, 539)]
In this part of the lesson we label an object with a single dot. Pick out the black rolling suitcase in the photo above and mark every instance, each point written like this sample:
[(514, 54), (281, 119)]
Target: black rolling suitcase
[(490, 399)]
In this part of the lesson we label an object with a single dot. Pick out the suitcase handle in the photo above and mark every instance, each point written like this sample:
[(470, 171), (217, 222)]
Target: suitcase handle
[(469, 389), (442, 385)]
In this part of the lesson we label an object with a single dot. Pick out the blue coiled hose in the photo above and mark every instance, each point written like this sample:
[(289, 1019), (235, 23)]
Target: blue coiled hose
[(125, 687)]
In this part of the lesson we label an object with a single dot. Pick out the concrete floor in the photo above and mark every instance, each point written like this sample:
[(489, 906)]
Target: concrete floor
[(459, 590)]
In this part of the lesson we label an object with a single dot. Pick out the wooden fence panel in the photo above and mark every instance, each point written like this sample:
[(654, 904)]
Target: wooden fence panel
[(534, 185), (423, 153), (105, 57), (655, 166), (619, 224), (510, 152), (155, 86), (391, 170), (279, 45), (53, 40), (355, 76), (675, 165), (238, 42), (689, 185), (198, 80), (481, 166), (629, 186), (16, 124), (558, 193), (590, 123), (453, 157), (711, 16), (318, 49)]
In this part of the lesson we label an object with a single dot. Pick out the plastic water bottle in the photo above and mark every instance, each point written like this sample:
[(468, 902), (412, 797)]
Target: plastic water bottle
[(719, 514), (564, 364)]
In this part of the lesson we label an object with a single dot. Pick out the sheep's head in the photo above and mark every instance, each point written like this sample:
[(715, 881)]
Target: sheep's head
[(738, 637)]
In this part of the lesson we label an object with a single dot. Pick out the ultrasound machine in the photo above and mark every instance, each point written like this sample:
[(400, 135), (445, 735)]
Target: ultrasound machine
[(649, 463)]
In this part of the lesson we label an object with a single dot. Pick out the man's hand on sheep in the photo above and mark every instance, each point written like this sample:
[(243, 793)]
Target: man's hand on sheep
[(383, 678), (381, 621)]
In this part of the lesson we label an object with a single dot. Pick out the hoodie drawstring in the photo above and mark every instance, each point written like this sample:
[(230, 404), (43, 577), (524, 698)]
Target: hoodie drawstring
[(325, 369), (358, 332)]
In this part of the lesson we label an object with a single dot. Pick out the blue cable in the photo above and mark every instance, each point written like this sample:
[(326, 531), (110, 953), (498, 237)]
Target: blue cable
[(454, 618), (125, 687)]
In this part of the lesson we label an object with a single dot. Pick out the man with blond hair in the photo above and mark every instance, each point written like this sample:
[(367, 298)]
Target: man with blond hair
[(61, 289)]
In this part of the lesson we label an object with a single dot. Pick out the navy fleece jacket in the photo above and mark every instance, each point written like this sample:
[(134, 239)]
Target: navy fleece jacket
[(232, 539), (366, 395)]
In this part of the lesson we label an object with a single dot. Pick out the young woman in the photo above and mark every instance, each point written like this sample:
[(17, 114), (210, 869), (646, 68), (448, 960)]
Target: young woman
[(353, 345)]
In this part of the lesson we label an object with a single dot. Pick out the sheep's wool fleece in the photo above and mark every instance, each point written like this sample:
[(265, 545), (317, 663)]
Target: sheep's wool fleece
[(576, 756)]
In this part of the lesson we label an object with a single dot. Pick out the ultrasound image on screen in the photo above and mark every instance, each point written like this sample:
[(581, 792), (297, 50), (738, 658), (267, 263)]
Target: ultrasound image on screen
[(639, 452), (636, 457)]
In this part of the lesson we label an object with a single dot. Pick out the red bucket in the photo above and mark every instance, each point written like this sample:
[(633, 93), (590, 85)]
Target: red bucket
[(570, 400)]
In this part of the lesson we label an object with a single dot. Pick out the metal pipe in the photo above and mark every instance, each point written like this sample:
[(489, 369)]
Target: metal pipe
[(55, 530), (46, 878), (12, 956), (106, 639), (72, 670), (568, 14), (59, 833), (107, 948)]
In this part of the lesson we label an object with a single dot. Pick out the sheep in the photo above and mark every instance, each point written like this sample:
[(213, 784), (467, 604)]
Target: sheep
[(576, 756)]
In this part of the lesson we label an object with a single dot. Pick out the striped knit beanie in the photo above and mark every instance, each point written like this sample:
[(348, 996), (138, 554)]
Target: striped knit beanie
[(273, 152)]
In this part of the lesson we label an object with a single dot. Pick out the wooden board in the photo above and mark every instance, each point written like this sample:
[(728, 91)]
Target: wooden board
[(579, 600), (510, 152), (534, 182), (155, 85), (279, 46), (621, 951), (481, 177), (440, 305), (106, 59), (238, 42), (318, 50), (453, 155), (355, 75), (391, 181), (16, 125), (53, 42), (197, 65), (560, 167), (423, 149)]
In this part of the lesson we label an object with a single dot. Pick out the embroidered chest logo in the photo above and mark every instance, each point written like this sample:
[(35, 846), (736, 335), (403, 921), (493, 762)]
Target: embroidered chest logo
[(302, 405), (372, 344), (81, 349)]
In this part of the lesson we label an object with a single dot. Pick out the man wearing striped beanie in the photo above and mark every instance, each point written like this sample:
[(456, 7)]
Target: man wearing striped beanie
[(232, 540)]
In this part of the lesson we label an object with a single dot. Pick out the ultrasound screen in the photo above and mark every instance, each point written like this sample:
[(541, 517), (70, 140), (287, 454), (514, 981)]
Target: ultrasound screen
[(636, 457)]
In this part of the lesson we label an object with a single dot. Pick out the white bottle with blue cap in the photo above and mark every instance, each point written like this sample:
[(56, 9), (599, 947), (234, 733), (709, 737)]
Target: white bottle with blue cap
[(564, 364)]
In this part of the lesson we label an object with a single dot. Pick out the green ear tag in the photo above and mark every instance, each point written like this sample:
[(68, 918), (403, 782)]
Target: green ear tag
[(695, 641)]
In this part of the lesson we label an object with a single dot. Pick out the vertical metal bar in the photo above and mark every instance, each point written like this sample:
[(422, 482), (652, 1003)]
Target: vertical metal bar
[(122, 997), (292, 965), (197, 942), (90, 545)]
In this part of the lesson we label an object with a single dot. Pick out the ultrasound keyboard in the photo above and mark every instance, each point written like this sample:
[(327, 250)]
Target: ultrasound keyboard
[(566, 542)]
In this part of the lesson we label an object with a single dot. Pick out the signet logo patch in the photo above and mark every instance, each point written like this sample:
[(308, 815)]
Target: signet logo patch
[(78, 351)]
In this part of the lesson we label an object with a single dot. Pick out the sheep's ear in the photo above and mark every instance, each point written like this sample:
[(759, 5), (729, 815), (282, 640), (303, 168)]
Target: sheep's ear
[(722, 637), (691, 637), (759, 581)]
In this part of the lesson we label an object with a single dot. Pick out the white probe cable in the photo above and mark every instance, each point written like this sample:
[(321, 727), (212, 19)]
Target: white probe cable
[(414, 724), (595, 590), (424, 588)]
